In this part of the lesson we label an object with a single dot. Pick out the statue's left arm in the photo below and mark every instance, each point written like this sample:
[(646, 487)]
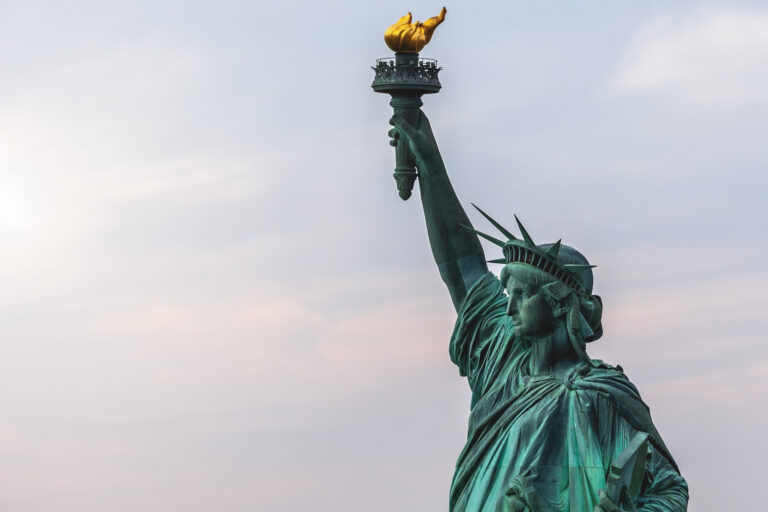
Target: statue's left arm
[(667, 491), (621, 414)]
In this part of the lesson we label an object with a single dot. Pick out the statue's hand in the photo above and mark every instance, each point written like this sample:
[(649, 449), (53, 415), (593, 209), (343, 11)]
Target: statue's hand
[(421, 142), (517, 504), (606, 505)]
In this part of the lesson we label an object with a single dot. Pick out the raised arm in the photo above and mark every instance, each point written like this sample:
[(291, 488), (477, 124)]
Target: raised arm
[(457, 251)]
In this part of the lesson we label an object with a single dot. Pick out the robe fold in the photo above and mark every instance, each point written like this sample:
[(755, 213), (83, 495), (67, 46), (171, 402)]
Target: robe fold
[(548, 442)]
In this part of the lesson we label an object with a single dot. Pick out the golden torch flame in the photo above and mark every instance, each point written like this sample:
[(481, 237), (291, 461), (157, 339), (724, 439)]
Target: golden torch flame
[(405, 36)]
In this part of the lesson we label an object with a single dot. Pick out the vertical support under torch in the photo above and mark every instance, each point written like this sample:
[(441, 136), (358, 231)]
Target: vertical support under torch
[(405, 174)]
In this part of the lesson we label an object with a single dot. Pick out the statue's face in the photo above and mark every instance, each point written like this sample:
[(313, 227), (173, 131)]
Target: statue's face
[(532, 316)]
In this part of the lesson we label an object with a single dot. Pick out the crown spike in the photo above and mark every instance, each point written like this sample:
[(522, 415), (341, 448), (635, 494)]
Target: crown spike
[(526, 236), (553, 251), (487, 237), (498, 226), (573, 267), (498, 260)]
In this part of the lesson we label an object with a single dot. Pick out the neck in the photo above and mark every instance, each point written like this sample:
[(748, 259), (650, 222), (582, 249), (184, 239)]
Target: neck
[(552, 354)]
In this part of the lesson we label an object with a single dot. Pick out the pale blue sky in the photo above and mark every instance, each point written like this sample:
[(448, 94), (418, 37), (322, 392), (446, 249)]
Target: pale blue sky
[(213, 298)]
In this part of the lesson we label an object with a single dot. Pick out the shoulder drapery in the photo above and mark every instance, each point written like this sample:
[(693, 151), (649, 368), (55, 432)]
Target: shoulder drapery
[(483, 339)]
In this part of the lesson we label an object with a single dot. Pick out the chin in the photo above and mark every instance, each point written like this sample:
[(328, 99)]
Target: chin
[(520, 330)]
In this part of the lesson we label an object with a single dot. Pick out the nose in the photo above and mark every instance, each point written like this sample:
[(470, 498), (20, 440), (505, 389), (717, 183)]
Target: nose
[(512, 307)]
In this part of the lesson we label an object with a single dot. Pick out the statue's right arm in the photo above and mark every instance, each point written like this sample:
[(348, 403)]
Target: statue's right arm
[(457, 250)]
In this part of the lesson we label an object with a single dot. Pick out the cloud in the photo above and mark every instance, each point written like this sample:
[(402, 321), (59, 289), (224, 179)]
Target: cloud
[(717, 58)]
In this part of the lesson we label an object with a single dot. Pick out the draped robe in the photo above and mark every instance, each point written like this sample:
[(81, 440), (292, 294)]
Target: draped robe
[(549, 441)]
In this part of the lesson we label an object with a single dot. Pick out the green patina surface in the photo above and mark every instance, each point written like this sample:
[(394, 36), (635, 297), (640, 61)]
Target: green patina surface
[(550, 429)]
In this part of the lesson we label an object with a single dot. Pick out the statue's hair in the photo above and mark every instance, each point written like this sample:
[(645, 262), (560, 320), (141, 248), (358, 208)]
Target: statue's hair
[(532, 275), (526, 274), (554, 290), (570, 256)]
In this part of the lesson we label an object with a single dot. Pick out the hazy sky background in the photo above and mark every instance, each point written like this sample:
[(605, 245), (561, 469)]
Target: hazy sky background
[(212, 298)]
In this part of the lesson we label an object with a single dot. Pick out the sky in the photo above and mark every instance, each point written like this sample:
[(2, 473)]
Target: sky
[(213, 299)]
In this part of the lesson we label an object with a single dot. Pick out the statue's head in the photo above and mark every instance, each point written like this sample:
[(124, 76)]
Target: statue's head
[(542, 292), (549, 285)]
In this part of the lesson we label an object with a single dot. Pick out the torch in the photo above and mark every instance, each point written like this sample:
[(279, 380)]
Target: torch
[(406, 77)]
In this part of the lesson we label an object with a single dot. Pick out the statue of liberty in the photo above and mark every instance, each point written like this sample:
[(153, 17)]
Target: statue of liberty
[(549, 429)]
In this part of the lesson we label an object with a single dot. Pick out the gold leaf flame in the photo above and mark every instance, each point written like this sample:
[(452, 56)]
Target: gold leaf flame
[(405, 36)]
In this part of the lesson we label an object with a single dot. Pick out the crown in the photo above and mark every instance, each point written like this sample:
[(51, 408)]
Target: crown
[(527, 252)]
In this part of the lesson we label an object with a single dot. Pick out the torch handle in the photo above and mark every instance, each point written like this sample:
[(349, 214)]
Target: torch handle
[(405, 168)]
